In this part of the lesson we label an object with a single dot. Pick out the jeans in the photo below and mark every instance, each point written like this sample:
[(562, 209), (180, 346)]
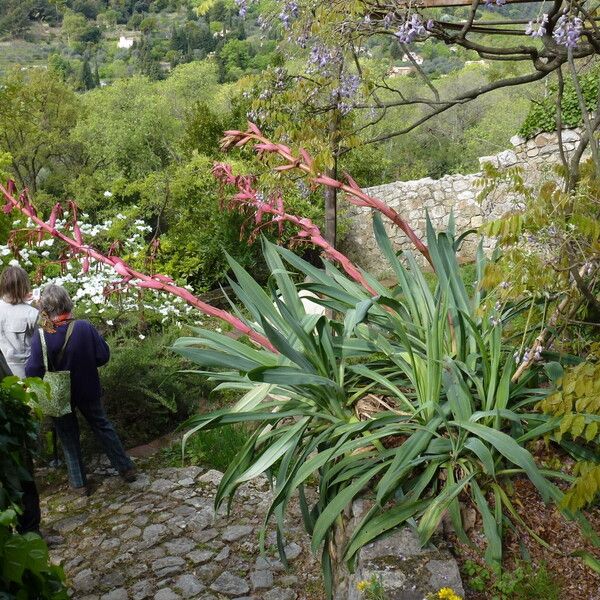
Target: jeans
[(67, 429)]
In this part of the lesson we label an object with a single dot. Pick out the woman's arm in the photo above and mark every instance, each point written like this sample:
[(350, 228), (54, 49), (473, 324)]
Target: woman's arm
[(35, 362)]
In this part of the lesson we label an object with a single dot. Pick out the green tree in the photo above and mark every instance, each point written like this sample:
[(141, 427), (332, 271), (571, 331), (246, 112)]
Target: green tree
[(149, 25), (203, 130), (235, 53), (74, 26), (37, 114), (128, 130), (147, 63), (59, 66), (86, 79)]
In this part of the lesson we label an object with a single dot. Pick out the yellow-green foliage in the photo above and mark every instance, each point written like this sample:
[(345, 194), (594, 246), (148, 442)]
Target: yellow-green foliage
[(585, 488), (577, 401), (550, 232)]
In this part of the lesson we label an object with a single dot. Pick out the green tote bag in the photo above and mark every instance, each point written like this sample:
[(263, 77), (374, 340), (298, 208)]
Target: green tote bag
[(57, 402)]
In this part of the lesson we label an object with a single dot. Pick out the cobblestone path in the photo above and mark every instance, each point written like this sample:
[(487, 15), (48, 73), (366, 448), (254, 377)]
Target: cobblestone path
[(159, 538)]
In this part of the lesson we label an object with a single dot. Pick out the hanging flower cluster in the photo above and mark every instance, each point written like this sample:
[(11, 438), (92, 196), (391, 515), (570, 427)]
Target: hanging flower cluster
[(346, 91), (289, 12), (537, 28), (413, 27), (568, 31)]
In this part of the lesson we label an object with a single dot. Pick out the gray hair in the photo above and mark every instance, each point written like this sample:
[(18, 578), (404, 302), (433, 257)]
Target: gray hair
[(55, 300)]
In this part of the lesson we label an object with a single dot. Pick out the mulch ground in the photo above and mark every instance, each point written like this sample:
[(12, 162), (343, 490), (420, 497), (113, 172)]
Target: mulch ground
[(575, 579)]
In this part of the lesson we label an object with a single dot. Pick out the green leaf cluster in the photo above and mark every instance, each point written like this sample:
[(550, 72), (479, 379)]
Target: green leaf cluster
[(25, 569), (542, 114), (576, 406), (524, 582)]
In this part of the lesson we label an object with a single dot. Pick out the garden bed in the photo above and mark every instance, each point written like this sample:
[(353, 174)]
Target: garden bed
[(554, 573)]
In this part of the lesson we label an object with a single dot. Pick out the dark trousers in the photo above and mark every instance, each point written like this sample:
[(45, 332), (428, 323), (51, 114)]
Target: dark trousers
[(30, 519), (67, 429)]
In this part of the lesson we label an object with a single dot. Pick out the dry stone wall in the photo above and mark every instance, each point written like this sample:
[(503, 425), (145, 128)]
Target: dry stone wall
[(457, 193)]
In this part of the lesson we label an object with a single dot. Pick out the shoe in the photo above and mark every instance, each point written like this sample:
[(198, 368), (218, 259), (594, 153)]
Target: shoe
[(129, 476)]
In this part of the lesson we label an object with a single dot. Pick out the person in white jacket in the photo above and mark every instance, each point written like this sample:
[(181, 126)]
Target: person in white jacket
[(18, 319)]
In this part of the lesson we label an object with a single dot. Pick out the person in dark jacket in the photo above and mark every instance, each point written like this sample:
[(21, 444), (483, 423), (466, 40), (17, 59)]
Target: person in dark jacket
[(85, 351)]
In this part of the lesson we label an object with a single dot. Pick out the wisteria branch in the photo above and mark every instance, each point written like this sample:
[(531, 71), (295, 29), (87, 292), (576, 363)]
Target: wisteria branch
[(248, 197), (129, 275), (305, 164)]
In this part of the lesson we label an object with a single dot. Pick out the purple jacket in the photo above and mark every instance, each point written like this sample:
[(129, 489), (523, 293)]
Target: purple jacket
[(85, 352)]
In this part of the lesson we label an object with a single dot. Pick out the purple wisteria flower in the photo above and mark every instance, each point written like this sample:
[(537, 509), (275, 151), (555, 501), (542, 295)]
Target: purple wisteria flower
[(492, 3), (322, 59), (290, 11), (411, 29), (242, 6), (347, 89), (568, 31), (537, 28)]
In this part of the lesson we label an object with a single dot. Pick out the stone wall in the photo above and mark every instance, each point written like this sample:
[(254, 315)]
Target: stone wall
[(413, 199)]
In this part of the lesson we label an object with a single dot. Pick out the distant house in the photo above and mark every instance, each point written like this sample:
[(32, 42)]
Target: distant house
[(401, 71), (414, 56), (125, 42)]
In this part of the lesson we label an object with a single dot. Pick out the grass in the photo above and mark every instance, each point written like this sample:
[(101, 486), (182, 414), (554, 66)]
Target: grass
[(212, 448), (524, 582), (21, 52)]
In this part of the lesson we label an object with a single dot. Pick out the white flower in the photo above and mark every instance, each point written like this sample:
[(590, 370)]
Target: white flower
[(107, 194), (142, 336), (14, 263), (218, 330), (109, 322)]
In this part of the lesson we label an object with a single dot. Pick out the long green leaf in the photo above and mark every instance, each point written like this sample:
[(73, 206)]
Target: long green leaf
[(515, 453), (433, 514), (337, 504)]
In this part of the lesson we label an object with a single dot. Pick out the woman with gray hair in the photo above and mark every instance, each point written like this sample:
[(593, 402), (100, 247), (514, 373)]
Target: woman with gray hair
[(76, 346)]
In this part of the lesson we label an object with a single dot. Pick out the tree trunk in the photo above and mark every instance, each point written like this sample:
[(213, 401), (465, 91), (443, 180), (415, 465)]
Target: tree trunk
[(330, 192), (331, 208)]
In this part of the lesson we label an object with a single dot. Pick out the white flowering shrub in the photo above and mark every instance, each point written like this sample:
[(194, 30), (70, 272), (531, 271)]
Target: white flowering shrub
[(97, 293)]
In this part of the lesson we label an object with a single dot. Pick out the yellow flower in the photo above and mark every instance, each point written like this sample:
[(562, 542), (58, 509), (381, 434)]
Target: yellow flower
[(448, 594), (361, 586)]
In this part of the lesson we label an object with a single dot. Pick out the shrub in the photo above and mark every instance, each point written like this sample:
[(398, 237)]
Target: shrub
[(144, 393), (213, 448), (406, 396), (26, 570), (542, 114), (524, 582)]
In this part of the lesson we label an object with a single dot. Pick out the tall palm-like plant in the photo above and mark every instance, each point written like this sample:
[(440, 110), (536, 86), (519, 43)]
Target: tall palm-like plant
[(450, 423)]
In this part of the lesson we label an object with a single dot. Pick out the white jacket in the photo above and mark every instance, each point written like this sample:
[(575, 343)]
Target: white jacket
[(17, 326)]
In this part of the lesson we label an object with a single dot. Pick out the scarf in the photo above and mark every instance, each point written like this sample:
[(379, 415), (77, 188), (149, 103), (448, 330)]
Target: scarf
[(50, 324)]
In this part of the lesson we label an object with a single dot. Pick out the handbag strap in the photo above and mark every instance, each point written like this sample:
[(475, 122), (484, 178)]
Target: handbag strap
[(62, 350)]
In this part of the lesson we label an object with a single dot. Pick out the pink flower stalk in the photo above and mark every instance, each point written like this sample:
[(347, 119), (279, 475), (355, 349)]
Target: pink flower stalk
[(248, 197), (305, 163), (77, 246)]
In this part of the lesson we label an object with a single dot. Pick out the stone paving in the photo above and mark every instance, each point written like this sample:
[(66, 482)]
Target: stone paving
[(159, 538)]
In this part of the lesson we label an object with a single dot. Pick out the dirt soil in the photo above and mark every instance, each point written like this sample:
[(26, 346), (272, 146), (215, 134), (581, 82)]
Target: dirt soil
[(577, 581)]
